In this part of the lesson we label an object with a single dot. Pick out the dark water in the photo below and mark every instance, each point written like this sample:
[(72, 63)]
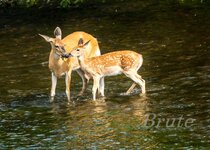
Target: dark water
[(174, 39)]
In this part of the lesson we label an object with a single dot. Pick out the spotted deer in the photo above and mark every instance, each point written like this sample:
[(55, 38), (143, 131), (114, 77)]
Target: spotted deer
[(109, 64), (60, 64)]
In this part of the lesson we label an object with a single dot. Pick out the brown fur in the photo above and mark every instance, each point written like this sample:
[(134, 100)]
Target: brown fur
[(59, 65)]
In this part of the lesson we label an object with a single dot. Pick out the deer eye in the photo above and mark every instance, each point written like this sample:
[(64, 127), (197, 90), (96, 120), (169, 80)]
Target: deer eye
[(56, 46), (77, 50)]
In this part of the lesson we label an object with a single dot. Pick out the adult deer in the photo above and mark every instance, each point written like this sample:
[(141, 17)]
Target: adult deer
[(110, 64), (60, 64)]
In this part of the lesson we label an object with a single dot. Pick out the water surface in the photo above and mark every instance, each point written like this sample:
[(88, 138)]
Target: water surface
[(175, 42)]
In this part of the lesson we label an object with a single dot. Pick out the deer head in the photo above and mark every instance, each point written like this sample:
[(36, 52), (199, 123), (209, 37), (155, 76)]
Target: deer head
[(56, 43), (79, 50)]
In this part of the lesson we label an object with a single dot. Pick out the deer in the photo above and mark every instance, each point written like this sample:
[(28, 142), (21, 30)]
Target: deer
[(127, 62), (59, 62)]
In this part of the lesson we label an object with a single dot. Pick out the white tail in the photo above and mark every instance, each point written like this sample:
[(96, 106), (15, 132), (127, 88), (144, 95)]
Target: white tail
[(60, 64), (110, 64)]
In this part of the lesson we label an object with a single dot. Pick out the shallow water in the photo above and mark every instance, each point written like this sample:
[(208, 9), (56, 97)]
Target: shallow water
[(174, 40)]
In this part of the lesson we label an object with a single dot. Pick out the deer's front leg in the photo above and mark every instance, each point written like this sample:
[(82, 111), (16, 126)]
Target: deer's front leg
[(53, 87), (68, 84), (95, 87), (101, 86)]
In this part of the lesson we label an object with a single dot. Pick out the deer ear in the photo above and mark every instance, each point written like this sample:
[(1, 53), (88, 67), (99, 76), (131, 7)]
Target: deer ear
[(47, 38), (58, 33), (80, 42), (86, 44)]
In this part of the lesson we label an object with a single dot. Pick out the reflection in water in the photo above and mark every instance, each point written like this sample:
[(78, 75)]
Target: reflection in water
[(174, 40), (140, 107), (106, 124), (100, 106)]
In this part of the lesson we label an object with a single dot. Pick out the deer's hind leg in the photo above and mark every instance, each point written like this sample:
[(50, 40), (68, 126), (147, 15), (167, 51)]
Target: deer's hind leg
[(133, 75), (143, 84), (131, 88), (84, 81)]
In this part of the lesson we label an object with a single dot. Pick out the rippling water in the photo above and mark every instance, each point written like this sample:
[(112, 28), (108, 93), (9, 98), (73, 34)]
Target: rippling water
[(175, 43)]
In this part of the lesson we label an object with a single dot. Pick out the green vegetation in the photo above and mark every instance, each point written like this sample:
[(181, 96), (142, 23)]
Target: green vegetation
[(69, 3), (41, 3)]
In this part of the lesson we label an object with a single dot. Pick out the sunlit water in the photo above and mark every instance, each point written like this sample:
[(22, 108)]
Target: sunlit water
[(175, 43)]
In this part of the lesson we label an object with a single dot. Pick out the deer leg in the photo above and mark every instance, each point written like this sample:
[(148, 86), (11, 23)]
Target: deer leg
[(137, 79), (68, 84), (131, 88), (95, 87), (53, 87), (84, 81), (143, 89), (101, 86)]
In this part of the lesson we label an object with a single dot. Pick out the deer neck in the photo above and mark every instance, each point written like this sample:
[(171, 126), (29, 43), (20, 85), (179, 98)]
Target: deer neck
[(54, 56), (81, 60), (55, 62)]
